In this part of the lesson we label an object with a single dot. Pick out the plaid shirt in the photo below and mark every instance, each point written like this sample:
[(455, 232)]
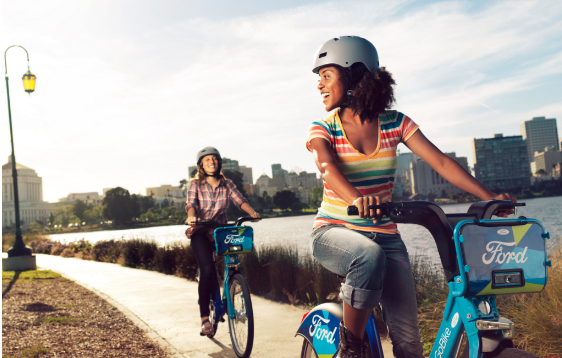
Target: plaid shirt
[(209, 204)]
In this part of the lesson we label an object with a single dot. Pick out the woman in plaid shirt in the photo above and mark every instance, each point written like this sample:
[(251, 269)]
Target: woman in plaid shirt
[(208, 197)]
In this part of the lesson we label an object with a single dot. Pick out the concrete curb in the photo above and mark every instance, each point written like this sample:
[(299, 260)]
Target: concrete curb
[(152, 334)]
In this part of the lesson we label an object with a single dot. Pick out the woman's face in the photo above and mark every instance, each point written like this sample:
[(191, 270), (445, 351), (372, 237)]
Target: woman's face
[(210, 164), (331, 88)]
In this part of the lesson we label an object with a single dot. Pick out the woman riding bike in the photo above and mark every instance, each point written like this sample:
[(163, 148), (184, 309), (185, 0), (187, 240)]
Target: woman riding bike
[(355, 150), (208, 197)]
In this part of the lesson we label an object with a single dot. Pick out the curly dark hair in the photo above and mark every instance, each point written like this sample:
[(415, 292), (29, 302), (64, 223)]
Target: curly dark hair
[(373, 91)]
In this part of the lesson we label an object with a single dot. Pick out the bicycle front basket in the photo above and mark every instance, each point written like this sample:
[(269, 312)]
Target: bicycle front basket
[(234, 240), (503, 256)]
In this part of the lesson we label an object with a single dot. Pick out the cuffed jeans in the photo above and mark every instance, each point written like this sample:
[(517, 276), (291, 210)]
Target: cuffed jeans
[(377, 270)]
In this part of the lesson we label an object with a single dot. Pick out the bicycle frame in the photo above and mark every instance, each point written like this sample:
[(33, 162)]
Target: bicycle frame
[(223, 304)]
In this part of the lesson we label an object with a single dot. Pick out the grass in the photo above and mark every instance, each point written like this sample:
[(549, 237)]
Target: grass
[(60, 320), (32, 275)]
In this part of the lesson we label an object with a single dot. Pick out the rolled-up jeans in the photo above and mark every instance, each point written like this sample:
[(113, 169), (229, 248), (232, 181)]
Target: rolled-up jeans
[(377, 270)]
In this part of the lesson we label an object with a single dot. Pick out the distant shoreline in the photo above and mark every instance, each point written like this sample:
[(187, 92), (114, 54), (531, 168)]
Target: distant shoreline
[(89, 228)]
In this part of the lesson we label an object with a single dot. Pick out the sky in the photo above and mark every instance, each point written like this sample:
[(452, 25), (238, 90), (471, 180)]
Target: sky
[(128, 91)]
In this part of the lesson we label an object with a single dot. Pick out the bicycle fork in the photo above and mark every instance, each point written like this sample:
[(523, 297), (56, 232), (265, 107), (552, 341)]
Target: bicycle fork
[(478, 318)]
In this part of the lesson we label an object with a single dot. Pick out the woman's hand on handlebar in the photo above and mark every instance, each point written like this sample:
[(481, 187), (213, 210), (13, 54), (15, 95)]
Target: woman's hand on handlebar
[(505, 213), (191, 220), (256, 215), (362, 203)]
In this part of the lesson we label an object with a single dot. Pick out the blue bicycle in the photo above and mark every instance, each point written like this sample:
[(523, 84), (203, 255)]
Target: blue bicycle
[(481, 258), (235, 301)]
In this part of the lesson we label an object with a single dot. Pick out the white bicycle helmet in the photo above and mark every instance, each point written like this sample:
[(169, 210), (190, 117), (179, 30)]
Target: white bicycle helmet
[(345, 51)]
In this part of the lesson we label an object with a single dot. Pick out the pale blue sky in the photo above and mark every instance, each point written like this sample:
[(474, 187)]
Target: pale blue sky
[(128, 91)]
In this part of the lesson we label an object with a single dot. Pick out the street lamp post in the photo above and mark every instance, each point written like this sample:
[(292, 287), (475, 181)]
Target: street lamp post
[(19, 248)]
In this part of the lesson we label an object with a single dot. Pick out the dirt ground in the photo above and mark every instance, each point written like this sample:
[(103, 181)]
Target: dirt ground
[(44, 314)]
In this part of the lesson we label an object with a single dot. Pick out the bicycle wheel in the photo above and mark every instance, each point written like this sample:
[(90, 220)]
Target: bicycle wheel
[(242, 326), (307, 351)]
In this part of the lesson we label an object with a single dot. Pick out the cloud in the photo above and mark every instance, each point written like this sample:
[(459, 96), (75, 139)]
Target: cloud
[(131, 108)]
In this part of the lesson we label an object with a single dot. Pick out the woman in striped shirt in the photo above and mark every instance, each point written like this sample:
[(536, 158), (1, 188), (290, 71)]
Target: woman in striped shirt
[(355, 150)]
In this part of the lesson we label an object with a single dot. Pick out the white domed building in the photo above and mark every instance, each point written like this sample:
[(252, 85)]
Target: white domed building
[(30, 190)]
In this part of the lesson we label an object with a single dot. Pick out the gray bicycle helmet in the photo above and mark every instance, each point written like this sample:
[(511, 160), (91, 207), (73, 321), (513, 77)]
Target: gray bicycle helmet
[(209, 151), (345, 51)]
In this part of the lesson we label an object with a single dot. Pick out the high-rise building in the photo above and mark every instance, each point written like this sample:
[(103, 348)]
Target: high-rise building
[(248, 177), (546, 160), (264, 184), (501, 163), (280, 177), (426, 181), (539, 133), (302, 184), (230, 164), (30, 194), (191, 170)]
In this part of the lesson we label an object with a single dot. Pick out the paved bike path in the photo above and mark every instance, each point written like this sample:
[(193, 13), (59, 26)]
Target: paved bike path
[(166, 308)]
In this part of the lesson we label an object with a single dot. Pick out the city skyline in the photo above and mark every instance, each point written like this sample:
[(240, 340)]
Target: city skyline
[(126, 96)]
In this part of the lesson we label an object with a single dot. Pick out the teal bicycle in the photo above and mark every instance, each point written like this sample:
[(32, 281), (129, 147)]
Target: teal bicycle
[(235, 301), (481, 258)]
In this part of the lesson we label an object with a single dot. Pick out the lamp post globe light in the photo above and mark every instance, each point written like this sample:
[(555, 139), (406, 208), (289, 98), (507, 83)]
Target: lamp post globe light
[(19, 256)]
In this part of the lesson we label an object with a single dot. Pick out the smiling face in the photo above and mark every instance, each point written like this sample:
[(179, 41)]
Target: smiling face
[(331, 88), (210, 164)]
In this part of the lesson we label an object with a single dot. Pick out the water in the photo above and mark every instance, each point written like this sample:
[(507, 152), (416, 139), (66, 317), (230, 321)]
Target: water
[(295, 231)]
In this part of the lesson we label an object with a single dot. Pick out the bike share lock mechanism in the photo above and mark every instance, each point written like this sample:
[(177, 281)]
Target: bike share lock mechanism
[(502, 324), (232, 261)]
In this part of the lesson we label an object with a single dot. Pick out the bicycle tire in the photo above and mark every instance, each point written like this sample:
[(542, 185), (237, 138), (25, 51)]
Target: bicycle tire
[(242, 326), (308, 352)]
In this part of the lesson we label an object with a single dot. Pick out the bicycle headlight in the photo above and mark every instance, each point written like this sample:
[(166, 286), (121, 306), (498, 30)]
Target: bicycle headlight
[(235, 248), (484, 308)]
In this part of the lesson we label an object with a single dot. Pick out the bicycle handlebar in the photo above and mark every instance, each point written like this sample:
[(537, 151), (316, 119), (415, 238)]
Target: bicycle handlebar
[(440, 225), (213, 223)]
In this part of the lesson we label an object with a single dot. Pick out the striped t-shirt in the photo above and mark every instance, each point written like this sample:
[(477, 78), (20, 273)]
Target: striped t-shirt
[(370, 174)]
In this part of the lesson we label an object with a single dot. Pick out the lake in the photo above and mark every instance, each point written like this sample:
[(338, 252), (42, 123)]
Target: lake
[(295, 230)]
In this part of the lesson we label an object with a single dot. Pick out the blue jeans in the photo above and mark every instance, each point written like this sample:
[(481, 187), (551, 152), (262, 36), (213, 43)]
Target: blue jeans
[(377, 270)]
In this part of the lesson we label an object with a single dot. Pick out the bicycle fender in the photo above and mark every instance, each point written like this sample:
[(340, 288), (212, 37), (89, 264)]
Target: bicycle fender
[(321, 328), (491, 341)]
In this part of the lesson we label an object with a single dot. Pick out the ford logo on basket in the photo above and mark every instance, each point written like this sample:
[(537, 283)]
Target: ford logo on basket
[(234, 239), (503, 231)]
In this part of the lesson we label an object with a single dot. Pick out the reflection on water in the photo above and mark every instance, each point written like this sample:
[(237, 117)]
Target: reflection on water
[(295, 231)]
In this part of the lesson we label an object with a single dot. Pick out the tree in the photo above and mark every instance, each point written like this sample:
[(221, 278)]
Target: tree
[(119, 206), (79, 208), (183, 184), (51, 218), (317, 195), (193, 172), (298, 206), (541, 172), (236, 178), (146, 202), (94, 214), (284, 199)]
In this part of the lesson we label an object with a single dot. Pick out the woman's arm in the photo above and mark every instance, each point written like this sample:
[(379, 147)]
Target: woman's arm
[(450, 169), (331, 173), (247, 208), (192, 203)]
